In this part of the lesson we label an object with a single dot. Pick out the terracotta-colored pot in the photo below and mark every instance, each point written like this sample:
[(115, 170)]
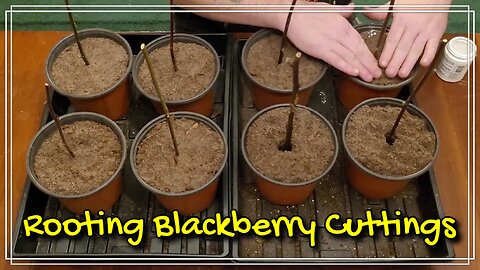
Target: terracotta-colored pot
[(353, 90), (263, 95), (374, 185), (115, 101), (102, 197), (274, 190), (201, 103), (188, 202)]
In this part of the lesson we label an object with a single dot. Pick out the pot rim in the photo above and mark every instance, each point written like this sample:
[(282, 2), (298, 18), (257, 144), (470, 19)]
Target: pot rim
[(180, 114), (72, 117), (397, 103), (163, 41), (92, 32), (246, 48), (274, 181), (413, 73)]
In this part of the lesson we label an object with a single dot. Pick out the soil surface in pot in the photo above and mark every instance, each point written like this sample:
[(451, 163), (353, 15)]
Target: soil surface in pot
[(196, 70), (371, 37), (108, 63), (262, 64), (201, 154), (97, 157), (312, 146), (412, 151)]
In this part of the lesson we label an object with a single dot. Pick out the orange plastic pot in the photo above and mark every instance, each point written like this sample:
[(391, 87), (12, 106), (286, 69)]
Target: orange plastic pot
[(102, 197), (201, 103), (188, 202), (115, 101), (274, 190), (373, 185), (352, 90), (263, 95)]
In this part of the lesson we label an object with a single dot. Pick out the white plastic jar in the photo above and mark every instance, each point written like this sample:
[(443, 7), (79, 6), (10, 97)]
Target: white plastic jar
[(458, 55)]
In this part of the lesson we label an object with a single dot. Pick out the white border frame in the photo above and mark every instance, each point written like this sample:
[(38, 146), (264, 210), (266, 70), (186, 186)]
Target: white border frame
[(238, 9)]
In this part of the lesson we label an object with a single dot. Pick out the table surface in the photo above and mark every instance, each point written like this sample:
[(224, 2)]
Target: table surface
[(446, 104)]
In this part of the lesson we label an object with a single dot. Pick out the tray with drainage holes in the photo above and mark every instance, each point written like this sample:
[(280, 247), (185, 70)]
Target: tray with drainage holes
[(135, 202), (332, 195)]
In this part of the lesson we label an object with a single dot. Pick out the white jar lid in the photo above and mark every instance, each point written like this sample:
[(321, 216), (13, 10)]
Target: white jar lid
[(461, 47)]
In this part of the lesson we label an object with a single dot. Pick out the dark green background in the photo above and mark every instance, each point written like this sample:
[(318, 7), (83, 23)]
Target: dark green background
[(149, 21)]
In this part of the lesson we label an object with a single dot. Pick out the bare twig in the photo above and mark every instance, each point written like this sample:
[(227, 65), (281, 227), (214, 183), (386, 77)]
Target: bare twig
[(162, 100), (390, 136), (75, 33), (57, 122), (172, 27), (285, 32), (382, 37), (287, 144)]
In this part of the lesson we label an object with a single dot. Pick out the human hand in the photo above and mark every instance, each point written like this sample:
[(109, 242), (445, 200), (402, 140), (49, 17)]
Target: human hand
[(330, 37), (410, 35)]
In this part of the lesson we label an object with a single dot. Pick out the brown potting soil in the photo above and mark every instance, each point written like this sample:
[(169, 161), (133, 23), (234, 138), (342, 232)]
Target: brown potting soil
[(196, 70), (97, 157), (371, 38), (412, 151), (262, 64), (201, 155), (312, 146), (108, 63)]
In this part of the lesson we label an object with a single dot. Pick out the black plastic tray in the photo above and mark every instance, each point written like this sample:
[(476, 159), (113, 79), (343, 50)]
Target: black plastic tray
[(135, 201), (332, 195)]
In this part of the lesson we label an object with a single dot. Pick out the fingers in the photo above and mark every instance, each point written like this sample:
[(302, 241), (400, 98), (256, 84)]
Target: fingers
[(345, 60), (393, 39), (429, 53), (355, 44), (410, 35), (401, 52), (337, 61), (349, 57), (413, 55)]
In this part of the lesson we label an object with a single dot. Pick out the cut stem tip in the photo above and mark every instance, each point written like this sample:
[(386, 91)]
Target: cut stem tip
[(287, 143)]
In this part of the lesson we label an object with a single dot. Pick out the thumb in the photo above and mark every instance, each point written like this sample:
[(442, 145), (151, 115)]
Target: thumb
[(377, 15)]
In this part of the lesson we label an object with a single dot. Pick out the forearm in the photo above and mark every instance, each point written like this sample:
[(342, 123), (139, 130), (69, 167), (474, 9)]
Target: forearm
[(262, 19)]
